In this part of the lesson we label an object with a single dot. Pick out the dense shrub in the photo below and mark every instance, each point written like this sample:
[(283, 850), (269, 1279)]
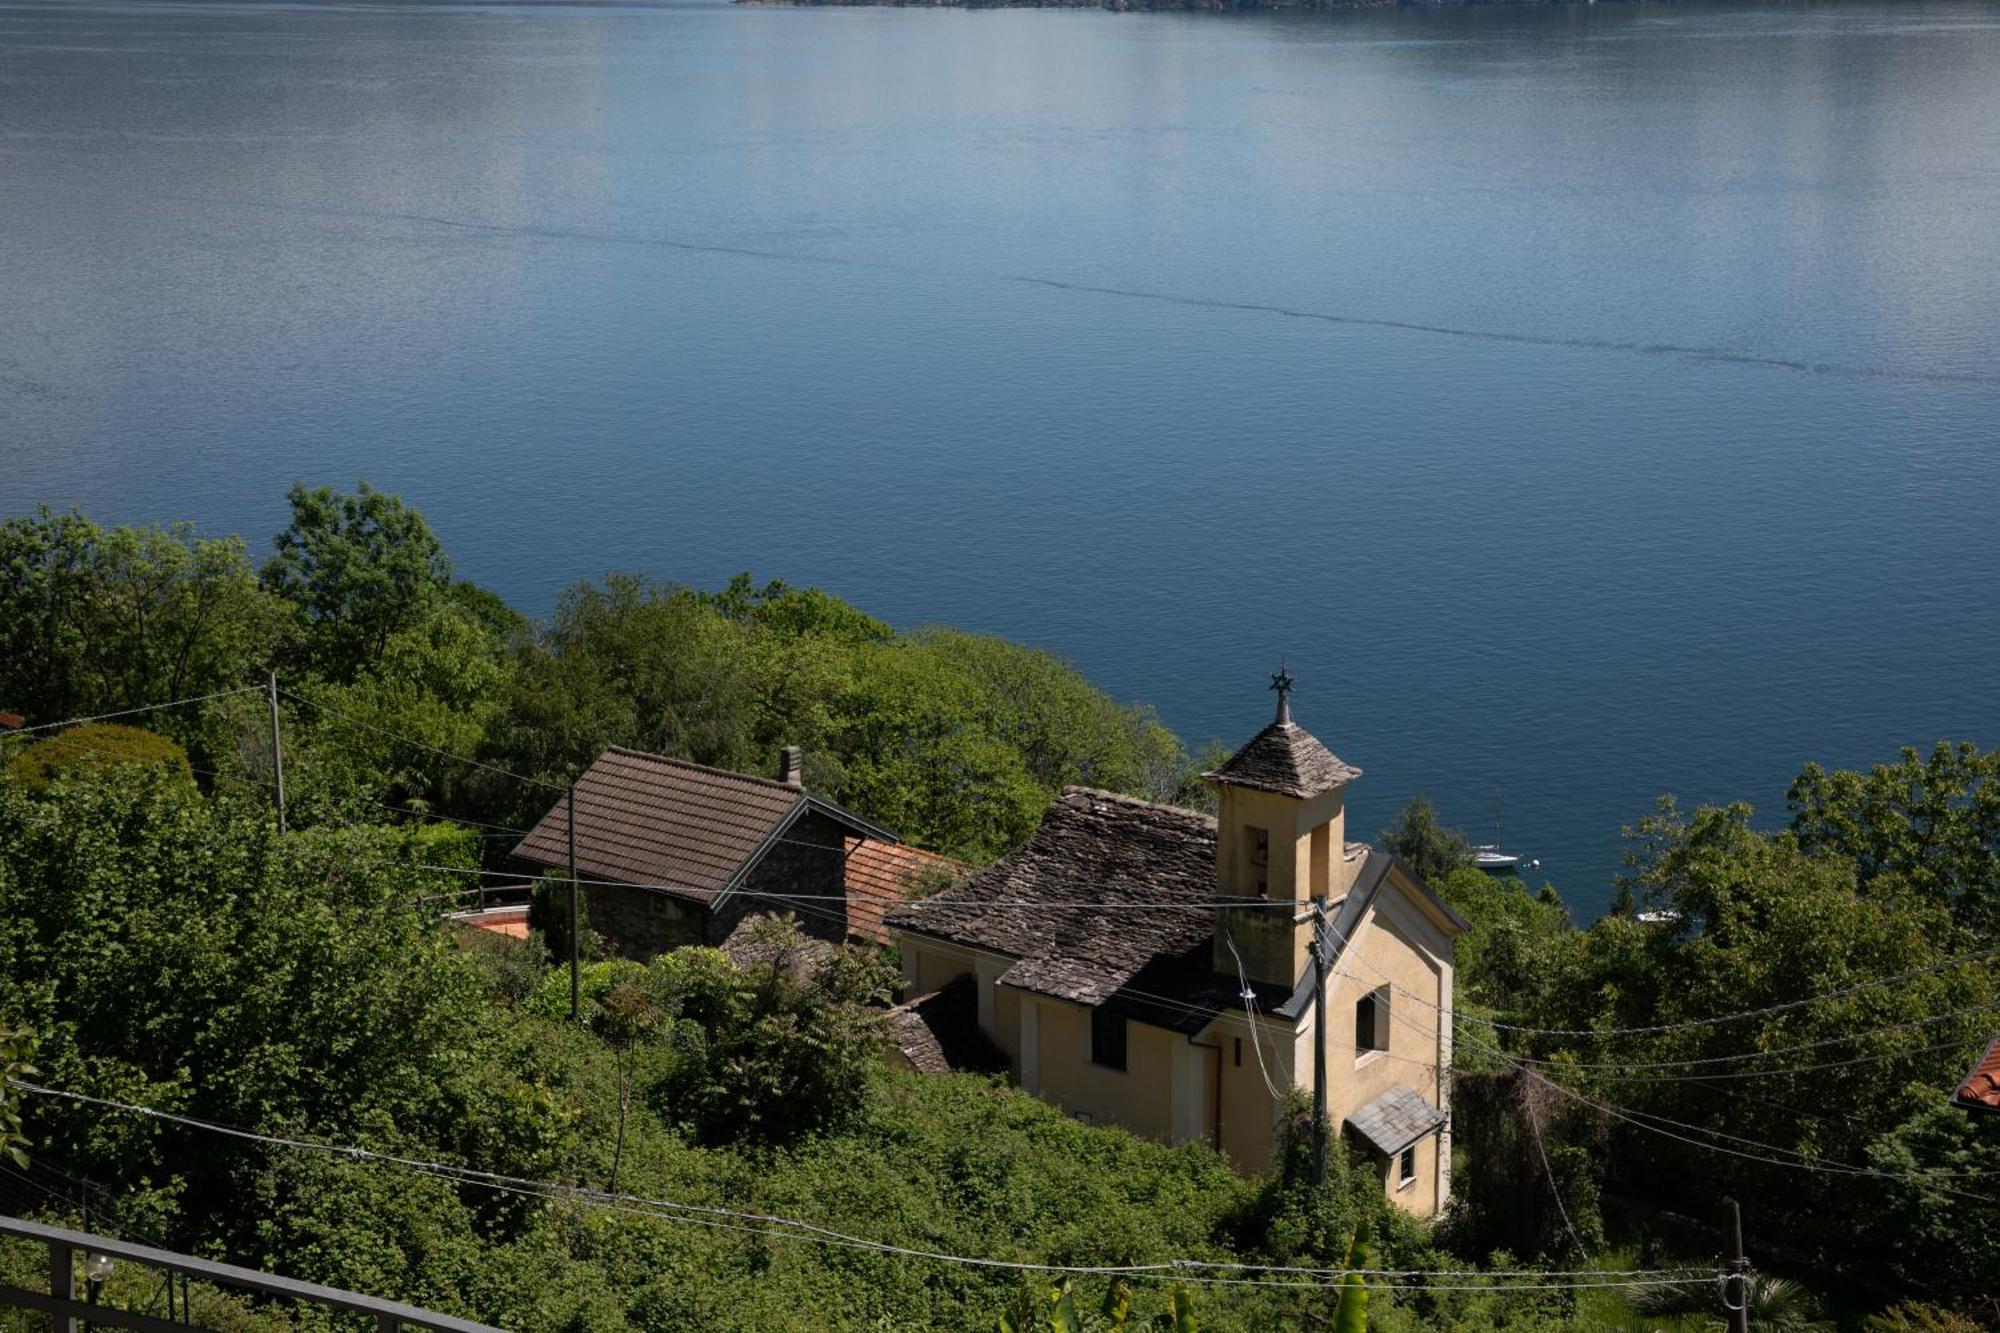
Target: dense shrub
[(93, 748)]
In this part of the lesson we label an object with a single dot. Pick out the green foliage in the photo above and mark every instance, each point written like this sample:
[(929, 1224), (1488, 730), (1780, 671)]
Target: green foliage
[(763, 1056), (94, 748), (360, 569), (1352, 1314), (1917, 1317), (1425, 846), (957, 741), (1929, 826), (97, 621), (17, 1047), (1759, 922), (1058, 1310), (173, 952)]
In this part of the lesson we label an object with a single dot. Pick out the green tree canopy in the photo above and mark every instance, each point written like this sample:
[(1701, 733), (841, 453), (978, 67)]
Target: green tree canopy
[(360, 568), (101, 620)]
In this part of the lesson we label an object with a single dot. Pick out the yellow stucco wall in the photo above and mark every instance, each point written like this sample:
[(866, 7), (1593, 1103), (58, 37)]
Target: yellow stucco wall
[(1138, 1097), (1174, 1089)]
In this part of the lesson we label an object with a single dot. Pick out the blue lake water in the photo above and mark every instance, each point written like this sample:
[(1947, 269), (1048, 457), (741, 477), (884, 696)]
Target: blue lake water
[(1587, 402)]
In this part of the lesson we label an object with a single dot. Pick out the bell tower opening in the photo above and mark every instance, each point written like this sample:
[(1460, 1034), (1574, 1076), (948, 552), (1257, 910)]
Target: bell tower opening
[(1281, 842)]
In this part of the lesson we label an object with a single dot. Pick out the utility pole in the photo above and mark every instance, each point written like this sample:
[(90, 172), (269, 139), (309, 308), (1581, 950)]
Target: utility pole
[(277, 752), (575, 916), (1319, 1043), (1737, 1285)]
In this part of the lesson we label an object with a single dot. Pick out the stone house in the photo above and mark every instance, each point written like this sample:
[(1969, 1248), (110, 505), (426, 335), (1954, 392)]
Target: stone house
[(673, 853), (1149, 966)]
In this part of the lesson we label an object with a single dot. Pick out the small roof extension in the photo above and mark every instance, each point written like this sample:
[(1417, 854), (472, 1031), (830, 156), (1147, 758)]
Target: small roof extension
[(686, 829), (1981, 1090), (1395, 1120)]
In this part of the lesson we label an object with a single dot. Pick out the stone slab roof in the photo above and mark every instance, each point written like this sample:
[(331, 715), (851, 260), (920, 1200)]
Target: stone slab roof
[(1286, 758), (1981, 1089), (1395, 1120), (882, 874), (1053, 903), (939, 1033)]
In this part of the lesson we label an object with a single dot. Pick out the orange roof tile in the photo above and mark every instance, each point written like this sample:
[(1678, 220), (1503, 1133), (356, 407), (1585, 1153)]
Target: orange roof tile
[(882, 874), (510, 921), (1981, 1089)]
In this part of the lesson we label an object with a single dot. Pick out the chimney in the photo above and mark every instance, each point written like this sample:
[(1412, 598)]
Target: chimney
[(791, 766)]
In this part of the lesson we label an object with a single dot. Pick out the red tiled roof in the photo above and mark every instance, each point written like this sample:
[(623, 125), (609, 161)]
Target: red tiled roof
[(509, 921), (882, 874), (647, 819), (1981, 1089)]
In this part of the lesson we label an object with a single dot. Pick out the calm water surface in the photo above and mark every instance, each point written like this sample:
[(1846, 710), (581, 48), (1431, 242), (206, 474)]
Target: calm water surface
[(1587, 402)]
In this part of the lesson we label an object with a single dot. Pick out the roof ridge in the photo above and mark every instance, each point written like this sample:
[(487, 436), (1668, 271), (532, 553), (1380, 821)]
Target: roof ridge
[(1106, 794), (703, 768)]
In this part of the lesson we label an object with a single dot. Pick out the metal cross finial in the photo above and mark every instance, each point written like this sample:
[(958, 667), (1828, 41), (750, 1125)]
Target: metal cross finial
[(1282, 683)]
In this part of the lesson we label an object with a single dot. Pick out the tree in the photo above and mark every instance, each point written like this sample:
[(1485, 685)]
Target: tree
[(359, 568), (764, 1055), (1826, 1068), (1931, 825), (97, 621), (1425, 846)]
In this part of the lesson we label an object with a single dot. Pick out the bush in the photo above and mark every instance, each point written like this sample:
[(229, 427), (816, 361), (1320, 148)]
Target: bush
[(94, 748)]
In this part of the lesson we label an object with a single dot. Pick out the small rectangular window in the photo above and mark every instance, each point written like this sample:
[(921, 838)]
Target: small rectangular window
[(1239, 1052), (1371, 1021), (1406, 1167), (1107, 1039), (1260, 857)]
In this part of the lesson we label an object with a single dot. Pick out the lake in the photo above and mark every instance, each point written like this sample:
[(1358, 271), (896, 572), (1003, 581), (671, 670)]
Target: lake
[(1586, 402)]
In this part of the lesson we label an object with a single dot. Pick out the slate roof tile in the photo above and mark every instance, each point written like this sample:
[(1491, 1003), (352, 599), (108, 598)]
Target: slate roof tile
[(1395, 1120), (1286, 758), (1095, 851)]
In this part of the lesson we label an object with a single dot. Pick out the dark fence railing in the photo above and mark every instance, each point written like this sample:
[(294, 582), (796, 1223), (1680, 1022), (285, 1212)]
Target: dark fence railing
[(60, 1301)]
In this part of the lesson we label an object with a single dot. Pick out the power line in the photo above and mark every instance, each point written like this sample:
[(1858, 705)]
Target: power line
[(673, 1210), (1743, 1014), (331, 711), (127, 712), (1638, 1120), (1703, 1061)]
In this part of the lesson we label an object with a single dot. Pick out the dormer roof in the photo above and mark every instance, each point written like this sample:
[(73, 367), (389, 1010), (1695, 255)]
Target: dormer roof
[(1287, 759)]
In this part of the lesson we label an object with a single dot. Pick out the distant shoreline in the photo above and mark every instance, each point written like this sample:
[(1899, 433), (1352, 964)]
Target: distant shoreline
[(1124, 6)]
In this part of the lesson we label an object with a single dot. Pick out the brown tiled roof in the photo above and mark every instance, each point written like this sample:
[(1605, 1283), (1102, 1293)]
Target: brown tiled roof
[(939, 1033), (1095, 851), (1981, 1089), (1286, 758), (882, 874), (647, 819)]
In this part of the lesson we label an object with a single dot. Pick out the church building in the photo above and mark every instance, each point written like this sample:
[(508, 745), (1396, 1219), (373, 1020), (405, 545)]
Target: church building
[(1151, 966)]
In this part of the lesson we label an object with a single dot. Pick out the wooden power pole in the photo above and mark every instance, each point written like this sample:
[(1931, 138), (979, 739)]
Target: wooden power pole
[(277, 752), (1737, 1301), (575, 916), (1319, 1044)]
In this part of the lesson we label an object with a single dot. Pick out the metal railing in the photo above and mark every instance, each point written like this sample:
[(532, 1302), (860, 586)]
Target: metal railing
[(70, 1313)]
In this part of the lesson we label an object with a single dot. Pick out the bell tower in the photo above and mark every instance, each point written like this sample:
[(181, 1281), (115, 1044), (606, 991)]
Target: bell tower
[(1280, 842)]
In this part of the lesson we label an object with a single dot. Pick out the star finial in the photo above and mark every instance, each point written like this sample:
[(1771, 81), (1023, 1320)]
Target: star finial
[(1282, 683)]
